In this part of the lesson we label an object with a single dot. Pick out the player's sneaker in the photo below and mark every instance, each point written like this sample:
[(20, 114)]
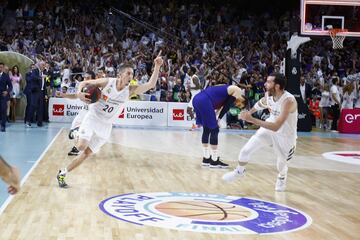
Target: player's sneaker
[(218, 164), (73, 152), (206, 162), (233, 175), (280, 185), (61, 179), (73, 133)]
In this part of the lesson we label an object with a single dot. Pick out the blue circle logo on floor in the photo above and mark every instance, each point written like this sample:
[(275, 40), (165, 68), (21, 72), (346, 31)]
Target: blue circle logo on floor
[(207, 213)]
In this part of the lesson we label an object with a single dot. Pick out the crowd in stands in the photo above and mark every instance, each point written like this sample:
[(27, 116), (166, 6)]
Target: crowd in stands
[(202, 45)]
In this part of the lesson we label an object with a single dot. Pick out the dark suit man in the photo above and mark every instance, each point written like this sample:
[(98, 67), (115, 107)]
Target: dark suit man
[(37, 96), (5, 90), (305, 90), (27, 92)]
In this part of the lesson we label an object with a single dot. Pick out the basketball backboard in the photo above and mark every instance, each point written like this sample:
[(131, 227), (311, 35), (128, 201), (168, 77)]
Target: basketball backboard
[(318, 16)]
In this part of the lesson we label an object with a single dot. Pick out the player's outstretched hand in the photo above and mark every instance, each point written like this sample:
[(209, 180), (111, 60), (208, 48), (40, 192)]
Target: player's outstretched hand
[(245, 115), (14, 181), (158, 60)]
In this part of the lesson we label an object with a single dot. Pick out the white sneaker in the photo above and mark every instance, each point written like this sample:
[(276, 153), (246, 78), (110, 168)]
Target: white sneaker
[(231, 176), (280, 185)]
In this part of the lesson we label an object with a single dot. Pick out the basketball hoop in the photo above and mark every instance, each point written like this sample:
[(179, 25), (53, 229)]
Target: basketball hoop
[(337, 37)]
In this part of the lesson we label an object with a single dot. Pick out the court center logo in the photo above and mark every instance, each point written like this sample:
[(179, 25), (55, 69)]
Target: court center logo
[(207, 213), (351, 157)]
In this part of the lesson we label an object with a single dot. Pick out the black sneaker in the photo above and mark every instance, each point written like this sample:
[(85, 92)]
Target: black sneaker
[(73, 152), (206, 162), (61, 180), (218, 164), (72, 133)]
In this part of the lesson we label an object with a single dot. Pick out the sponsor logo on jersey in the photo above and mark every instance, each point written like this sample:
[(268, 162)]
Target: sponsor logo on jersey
[(104, 97)]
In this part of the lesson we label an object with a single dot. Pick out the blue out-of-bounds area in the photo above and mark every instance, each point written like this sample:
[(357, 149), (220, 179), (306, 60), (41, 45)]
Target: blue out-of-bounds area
[(21, 147)]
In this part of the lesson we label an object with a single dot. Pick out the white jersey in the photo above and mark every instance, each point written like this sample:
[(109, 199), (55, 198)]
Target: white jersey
[(111, 102), (325, 99), (79, 118), (193, 94), (289, 127)]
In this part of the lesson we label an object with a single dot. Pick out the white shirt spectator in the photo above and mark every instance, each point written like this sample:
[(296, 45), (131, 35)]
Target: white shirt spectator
[(144, 78), (334, 90), (66, 74), (110, 71), (317, 60), (325, 99), (187, 80), (357, 102), (348, 101)]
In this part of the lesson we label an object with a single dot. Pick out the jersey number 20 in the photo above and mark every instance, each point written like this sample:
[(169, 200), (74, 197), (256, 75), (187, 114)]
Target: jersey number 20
[(108, 109)]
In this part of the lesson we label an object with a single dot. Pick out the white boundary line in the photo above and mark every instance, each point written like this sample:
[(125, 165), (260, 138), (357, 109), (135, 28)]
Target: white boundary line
[(8, 200), (334, 157)]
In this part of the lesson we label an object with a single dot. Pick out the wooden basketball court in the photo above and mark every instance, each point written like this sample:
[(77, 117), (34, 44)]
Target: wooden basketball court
[(143, 161)]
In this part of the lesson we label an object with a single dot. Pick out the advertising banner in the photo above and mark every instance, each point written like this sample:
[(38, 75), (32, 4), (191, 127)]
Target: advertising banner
[(64, 110), (178, 116), (142, 113), (349, 121)]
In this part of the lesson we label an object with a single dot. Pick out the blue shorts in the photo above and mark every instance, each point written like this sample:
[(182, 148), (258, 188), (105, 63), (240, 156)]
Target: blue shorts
[(205, 112)]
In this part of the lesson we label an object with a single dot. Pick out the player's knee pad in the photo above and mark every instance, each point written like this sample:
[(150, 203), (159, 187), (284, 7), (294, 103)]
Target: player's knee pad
[(205, 135), (214, 133)]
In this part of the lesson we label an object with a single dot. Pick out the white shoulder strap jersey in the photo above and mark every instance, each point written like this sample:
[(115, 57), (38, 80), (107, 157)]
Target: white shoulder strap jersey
[(111, 102), (289, 127)]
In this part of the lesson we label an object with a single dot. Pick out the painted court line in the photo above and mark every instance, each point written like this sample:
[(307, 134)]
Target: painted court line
[(23, 180)]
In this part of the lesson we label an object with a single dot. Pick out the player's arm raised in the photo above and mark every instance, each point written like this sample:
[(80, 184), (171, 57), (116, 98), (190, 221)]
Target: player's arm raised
[(289, 107), (153, 79)]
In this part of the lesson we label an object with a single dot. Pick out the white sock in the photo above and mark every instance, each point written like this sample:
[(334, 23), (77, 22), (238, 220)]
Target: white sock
[(240, 169), (206, 152), (64, 171), (214, 154), (283, 172)]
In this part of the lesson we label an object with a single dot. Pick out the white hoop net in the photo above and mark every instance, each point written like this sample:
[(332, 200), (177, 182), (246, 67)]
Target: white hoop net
[(337, 39)]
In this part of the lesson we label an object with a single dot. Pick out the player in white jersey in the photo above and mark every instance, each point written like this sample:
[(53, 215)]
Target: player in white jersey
[(75, 124), (279, 130), (95, 129)]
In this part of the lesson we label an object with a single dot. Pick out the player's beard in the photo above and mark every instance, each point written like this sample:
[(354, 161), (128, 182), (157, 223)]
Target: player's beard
[(271, 92)]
